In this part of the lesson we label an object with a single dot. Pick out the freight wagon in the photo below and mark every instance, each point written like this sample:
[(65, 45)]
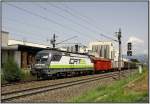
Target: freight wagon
[(101, 64), (115, 65)]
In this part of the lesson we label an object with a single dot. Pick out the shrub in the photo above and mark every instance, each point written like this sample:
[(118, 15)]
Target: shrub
[(11, 71)]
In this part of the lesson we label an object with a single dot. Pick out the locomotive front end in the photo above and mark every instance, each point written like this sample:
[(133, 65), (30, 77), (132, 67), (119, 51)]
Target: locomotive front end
[(42, 62)]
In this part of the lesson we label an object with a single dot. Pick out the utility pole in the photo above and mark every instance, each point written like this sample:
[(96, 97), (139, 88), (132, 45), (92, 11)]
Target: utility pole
[(119, 57), (53, 41)]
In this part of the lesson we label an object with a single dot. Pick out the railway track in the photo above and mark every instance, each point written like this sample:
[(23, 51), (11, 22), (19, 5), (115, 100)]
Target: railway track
[(17, 83), (24, 82), (31, 91)]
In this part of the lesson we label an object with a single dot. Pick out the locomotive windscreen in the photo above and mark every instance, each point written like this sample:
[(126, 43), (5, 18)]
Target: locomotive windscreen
[(42, 57)]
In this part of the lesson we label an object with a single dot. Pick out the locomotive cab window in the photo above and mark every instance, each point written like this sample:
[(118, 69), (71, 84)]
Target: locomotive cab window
[(42, 57), (56, 58)]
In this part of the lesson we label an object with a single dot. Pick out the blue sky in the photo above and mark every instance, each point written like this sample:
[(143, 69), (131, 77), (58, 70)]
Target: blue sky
[(86, 20)]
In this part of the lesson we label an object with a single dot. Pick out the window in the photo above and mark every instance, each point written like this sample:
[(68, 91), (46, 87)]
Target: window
[(42, 57), (56, 58)]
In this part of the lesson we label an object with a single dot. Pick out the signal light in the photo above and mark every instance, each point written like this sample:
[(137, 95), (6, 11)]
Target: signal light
[(129, 53), (129, 46)]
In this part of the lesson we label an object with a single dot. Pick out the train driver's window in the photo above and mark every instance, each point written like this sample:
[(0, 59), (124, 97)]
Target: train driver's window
[(56, 58)]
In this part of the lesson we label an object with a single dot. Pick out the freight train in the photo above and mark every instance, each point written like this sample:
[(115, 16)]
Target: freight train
[(55, 62)]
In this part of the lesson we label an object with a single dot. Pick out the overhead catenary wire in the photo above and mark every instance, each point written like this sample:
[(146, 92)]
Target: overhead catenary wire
[(20, 33), (24, 32), (24, 39), (66, 40), (70, 20), (87, 19), (62, 16), (83, 17), (61, 26), (28, 24), (66, 10), (44, 18), (31, 25)]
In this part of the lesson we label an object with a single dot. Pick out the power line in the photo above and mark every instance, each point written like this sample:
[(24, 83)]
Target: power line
[(22, 37), (87, 28), (85, 18), (80, 18), (108, 37), (22, 32), (27, 24), (45, 18), (66, 40)]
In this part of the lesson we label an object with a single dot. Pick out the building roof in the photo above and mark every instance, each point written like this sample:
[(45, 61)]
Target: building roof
[(14, 47), (22, 48), (19, 42)]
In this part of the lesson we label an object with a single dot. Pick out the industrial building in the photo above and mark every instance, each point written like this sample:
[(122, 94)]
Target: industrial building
[(103, 49), (75, 48)]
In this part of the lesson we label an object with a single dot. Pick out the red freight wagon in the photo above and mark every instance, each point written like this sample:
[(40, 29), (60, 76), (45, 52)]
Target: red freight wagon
[(101, 64)]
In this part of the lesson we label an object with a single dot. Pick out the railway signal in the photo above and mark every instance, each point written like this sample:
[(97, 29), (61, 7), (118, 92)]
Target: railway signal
[(129, 53), (129, 49), (129, 46)]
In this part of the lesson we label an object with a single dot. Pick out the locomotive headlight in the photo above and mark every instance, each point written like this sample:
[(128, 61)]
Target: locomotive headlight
[(50, 55)]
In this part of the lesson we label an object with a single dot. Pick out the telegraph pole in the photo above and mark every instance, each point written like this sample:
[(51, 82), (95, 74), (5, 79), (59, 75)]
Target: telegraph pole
[(119, 57)]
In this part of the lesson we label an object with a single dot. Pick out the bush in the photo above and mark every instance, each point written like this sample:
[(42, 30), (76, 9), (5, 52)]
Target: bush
[(11, 71)]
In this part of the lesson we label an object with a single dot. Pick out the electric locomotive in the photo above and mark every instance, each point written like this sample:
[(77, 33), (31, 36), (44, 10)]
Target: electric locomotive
[(54, 62)]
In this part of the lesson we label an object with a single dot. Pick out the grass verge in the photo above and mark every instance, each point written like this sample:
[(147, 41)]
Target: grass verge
[(128, 89)]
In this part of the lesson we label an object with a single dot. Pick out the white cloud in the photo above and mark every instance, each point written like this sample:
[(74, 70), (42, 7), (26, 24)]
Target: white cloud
[(135, 40)]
